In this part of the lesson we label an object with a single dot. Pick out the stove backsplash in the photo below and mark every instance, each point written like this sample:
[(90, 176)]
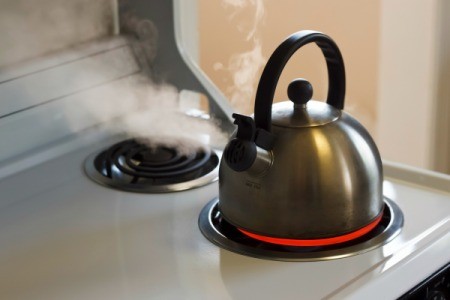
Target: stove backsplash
[(143, 73)]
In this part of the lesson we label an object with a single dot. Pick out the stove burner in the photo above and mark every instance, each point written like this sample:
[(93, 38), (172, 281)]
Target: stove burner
[(135, 167), (223, 234), (316, 242)]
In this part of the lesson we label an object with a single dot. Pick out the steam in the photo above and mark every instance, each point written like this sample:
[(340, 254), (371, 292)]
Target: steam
[(240, 6), (245, 67), (146, 108), (29, 29), (151, 113)]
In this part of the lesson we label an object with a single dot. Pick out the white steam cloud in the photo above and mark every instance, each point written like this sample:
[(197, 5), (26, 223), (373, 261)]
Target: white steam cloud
[(155, 113), (244, 67), (29, 29), (239, 6), (151, 113)]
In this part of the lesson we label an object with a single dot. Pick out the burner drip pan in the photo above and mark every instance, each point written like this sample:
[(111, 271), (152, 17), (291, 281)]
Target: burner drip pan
[(134, 167), (223, 234)]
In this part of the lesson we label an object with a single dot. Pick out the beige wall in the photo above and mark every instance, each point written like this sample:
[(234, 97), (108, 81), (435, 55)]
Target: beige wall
[(396, 56), (354, 25), (407, 102), (414, 95)]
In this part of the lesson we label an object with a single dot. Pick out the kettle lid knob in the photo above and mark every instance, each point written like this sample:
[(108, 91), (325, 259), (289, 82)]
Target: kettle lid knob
[(300, 91)]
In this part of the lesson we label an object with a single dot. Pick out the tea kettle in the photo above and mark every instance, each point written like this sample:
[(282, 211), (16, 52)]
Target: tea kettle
[(302, 169)]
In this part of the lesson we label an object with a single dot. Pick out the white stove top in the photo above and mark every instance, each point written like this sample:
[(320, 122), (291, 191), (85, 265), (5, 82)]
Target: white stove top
[(63, 236)]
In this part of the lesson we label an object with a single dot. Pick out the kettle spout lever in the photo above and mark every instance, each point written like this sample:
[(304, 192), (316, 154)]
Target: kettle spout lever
[(246, 127), (247, 131)]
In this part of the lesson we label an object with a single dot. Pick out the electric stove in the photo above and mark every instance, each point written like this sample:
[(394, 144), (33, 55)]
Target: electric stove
[(64, 236), (87, 213)]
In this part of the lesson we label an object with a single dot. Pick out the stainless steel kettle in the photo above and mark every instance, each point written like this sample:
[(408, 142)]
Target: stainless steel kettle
[(302, 169)]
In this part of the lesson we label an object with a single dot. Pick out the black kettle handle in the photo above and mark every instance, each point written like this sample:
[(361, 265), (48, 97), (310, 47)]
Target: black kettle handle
[(277, 62)]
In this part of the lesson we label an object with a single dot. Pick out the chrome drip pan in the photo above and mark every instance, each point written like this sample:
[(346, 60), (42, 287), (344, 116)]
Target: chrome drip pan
[(134, 167), (223, 234)]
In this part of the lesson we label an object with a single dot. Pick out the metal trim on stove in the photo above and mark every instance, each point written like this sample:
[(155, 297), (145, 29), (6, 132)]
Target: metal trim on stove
[(282, 253)]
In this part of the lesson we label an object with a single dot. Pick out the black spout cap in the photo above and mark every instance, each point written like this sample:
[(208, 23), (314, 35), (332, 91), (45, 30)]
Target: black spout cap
[(240, 154)]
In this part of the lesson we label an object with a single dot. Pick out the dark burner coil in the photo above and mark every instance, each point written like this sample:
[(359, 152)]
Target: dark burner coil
[(216, 229), (133, 166)]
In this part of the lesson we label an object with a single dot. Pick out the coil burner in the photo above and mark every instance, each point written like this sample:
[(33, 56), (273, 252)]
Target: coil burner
[(135, 167), (220, 232)]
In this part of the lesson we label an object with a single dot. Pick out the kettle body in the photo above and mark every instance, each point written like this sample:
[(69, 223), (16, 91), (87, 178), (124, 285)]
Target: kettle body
[(301, 170), (312, 189)]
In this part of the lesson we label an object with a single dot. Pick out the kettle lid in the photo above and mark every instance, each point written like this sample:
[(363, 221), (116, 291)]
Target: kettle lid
[(302, 112)]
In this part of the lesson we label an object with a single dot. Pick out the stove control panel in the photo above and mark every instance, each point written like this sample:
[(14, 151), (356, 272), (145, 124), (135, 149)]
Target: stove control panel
[(435, 287)]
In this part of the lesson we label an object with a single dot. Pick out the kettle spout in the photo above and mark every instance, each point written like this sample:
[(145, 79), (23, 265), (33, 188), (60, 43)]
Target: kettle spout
[(251, 149), (262, 163)]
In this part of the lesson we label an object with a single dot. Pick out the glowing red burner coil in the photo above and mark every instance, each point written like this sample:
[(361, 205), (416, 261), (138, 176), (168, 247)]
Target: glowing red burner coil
[(315, 242)]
